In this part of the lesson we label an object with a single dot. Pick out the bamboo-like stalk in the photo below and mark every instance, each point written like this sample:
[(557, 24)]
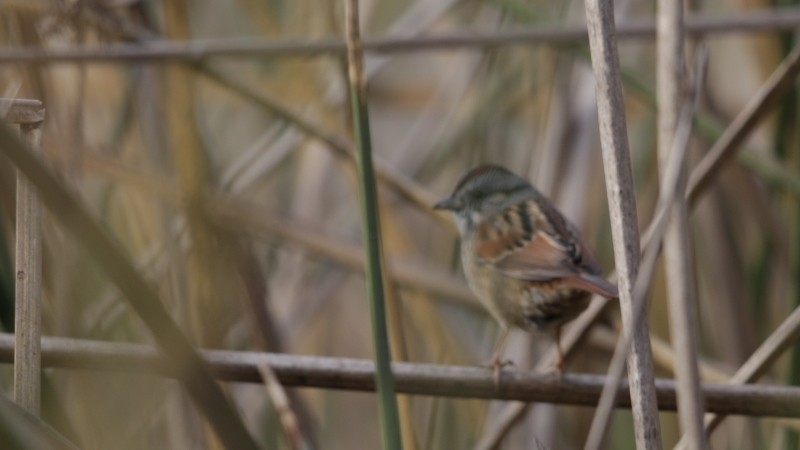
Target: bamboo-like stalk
[(141, 296), (671, 191), (733, 135), (412, 378), (622, 204), (29, 115), (765, 21), (678, 264), (371, 232)]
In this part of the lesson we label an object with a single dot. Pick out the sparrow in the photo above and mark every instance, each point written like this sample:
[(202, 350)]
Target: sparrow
[(522, 258)]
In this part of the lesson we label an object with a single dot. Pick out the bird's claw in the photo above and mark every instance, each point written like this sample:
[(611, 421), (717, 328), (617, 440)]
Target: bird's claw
[(497, 364), (557, 371)]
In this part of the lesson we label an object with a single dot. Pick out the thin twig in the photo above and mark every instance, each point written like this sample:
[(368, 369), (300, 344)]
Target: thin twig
[(412, 378), (295, 414), (622, 205), (774, 20), (280, 401)]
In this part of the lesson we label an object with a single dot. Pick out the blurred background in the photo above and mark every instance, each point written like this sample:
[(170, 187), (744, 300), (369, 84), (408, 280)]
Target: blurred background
[(226, 183)]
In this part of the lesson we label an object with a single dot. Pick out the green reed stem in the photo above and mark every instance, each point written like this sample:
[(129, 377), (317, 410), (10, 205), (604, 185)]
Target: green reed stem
[(370, 230)]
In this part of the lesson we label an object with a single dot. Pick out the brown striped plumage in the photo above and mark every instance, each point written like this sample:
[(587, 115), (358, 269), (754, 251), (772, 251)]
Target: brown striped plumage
[(526, 263)]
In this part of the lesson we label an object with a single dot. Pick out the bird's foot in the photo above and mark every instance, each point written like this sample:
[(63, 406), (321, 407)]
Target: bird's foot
[(556, 371), (497, 364)]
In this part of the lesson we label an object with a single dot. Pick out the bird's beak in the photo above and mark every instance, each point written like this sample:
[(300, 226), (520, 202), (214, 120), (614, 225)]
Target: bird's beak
[(447, 203)]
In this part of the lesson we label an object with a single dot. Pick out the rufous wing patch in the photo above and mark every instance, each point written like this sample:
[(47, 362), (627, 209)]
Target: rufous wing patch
[(517, 243), (521, 243), (540, 259)]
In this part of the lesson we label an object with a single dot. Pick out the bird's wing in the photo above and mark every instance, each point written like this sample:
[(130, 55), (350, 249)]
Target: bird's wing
[(532, 241)]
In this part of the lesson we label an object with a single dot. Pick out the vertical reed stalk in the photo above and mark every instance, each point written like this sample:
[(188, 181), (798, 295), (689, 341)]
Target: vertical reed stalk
[(370, 230), (28, 286), (622, 204), (681, 284), (102, 248)]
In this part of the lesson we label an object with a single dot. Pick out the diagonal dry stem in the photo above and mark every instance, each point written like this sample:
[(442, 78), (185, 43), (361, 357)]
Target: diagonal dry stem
[(141, 295), (280, 401), (671, 190), (760, 104)]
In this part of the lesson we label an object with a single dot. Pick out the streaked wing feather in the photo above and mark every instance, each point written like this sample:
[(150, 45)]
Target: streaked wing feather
[(528, 243), (532, 252)]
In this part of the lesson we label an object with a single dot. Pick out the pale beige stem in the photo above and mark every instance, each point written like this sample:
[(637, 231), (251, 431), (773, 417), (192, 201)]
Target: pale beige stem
[(28, 262)]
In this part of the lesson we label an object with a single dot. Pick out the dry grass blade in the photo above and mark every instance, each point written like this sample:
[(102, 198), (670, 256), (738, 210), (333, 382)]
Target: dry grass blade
[(141, 296), (280, 401), (20, 429), (192, 173), (232, 214), (402, 184), (770, 93), (622, 204), (228, 212), (761, 360)]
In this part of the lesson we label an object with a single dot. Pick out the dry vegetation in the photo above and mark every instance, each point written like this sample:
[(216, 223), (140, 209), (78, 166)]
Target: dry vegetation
[(229, 182)]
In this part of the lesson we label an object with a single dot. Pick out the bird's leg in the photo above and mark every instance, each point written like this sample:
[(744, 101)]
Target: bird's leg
[(496, 362), (560, 353)]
